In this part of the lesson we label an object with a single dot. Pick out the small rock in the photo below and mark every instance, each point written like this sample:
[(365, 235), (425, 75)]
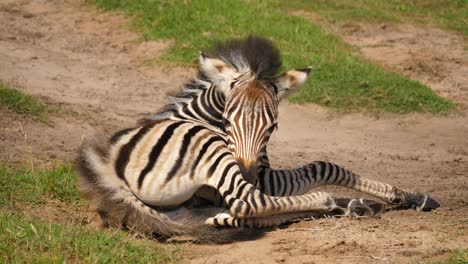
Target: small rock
[(28, 15)]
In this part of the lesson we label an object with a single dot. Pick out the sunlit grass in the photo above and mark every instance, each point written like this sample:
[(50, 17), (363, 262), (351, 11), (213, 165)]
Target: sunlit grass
[(24, 185), (20, 102), (340, 80), (449, 14), (24, 239)]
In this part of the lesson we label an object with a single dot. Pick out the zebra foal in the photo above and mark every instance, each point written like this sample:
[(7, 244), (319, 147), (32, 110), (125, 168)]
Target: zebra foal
[(213, 136)]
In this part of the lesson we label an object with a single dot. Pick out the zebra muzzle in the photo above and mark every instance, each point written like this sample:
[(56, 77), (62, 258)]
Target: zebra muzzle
[(248, 170)]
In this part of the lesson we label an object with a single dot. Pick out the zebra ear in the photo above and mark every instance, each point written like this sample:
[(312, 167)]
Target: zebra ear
[(289, 81), (215, 69)]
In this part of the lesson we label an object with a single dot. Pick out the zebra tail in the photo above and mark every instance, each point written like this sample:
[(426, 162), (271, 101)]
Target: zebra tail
[(119, 207)]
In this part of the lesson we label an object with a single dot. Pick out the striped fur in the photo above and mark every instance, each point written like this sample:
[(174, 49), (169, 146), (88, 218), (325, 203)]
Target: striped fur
[(213, 136)]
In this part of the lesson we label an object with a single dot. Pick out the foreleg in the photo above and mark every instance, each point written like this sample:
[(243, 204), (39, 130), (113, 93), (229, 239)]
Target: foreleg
[(244, 200), (350, 207)]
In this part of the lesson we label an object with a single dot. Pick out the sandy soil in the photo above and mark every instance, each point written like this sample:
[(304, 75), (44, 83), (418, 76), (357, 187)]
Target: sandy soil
[(90, 64)]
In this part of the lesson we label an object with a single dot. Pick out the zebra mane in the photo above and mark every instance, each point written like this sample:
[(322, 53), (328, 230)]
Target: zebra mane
[(190, 92), (256, 54)]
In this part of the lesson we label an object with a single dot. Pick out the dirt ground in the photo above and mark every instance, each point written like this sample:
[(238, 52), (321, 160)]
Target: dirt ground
[(90, 64)]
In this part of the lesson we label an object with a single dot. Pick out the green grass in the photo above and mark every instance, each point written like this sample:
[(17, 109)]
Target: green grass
[(24, 239), (459, 256), (24, 104), (449, 14), (27, 241), (19, 185), (20, 102), (340, 81)]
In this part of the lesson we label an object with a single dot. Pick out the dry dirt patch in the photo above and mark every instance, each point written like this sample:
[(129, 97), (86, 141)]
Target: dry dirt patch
[(432, 56), (89, 62)]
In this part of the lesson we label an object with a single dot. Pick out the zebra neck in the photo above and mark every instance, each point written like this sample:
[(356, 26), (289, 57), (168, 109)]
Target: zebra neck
[(200, 102)]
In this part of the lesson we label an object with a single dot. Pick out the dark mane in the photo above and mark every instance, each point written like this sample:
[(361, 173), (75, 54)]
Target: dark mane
[(257, 53)]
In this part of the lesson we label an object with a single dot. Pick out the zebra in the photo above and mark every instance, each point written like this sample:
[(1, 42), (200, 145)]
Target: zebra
[(210, 143)]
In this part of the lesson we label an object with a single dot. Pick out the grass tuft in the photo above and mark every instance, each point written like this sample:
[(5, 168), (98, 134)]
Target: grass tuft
[(19, 185), (340, 81), (451, 15), (459, 256), (20, 102), (25, 241)]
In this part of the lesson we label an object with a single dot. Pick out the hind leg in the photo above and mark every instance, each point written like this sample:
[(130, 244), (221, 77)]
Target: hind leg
[(302, 180)]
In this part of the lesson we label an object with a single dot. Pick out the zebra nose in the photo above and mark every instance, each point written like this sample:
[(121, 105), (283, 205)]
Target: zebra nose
[(248, 170)]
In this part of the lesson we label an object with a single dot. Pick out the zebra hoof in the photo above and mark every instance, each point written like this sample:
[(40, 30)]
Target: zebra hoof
[(428, 204), (338, 211), (421, 202), (376, 207), (361, 210)]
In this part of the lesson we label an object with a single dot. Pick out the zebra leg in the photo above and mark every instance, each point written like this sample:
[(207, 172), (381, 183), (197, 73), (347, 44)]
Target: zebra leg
[(302, 180), (244, 200), (352, 207), (222, 217), (360, 207), (225, 219)]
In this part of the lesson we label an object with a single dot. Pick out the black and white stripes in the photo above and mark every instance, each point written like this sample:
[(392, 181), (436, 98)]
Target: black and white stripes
[(214, 135)]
